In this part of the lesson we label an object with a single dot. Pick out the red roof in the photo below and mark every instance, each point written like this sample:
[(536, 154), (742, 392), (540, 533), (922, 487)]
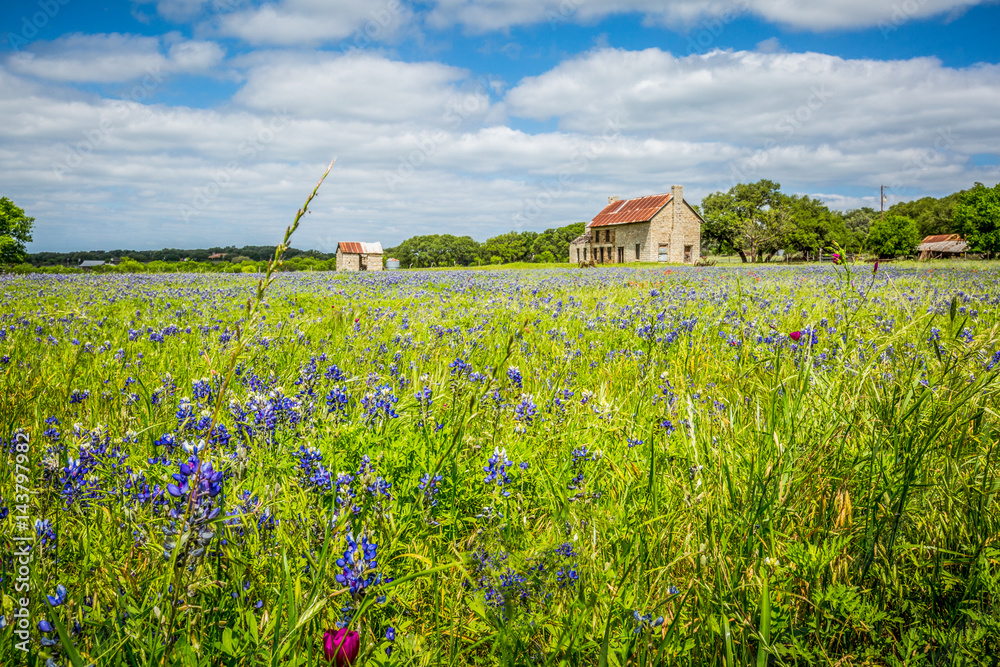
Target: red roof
[(623, 211), (355, 248), (938, 238)]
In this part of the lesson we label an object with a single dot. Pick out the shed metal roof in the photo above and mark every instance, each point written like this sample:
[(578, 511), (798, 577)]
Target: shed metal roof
[(952, 246), (624, 211), (937, 238), (357, 248)]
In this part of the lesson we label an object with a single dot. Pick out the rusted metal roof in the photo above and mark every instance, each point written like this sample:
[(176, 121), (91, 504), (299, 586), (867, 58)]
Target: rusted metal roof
[(582, 238), (938, 238), (624, 211), (356, 248), (952, 246)]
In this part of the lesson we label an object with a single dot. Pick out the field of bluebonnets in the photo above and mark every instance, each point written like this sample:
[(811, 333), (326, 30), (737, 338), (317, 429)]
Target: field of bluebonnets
[(769, 466)]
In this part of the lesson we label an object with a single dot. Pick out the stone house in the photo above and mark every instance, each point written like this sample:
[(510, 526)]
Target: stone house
[(354, 256), (654, 228)]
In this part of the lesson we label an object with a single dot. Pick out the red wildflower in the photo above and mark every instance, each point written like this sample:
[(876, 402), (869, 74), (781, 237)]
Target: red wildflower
[(795, 335), (341, 646)]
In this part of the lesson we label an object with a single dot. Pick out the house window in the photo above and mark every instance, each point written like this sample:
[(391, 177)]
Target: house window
[(607, 236), (578, 254), (687, 253), (637, 252), (621, 254), (664, 253), (585, 254)]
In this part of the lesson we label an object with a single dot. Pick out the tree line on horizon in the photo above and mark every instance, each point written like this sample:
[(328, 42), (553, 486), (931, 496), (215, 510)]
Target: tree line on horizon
[(752, 220), (757, 220)]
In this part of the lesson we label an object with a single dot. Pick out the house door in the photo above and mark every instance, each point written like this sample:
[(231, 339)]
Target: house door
[(602, 254), (664, 254), (621, 255), (687, 254)]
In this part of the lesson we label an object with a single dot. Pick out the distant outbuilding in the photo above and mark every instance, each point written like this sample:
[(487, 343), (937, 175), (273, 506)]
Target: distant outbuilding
[(91, 263), (356, 256), (943, 246)]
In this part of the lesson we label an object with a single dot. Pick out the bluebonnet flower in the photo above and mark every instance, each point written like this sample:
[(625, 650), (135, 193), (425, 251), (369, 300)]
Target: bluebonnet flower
[(514, 375), (429, 485), (58, 598), (79, 396), (390, 635), (359, 566), (380, 404), (425, 397), (45, 533), (460, 367), (374, 485), (52, 433), (526, 410), (496, 470), (645, 621), (202, 389), (337, 401), (581, 455), (313, 474)]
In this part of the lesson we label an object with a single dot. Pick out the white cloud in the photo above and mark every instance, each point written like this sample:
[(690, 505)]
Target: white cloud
[(630, 123), (114, 57), (749, 98), (359, 23), (486, 15), (363, 87)]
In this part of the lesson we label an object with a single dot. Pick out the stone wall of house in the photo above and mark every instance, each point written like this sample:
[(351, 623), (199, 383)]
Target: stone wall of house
[(627, 236), (374, 262), (348, 261), (678, 226)]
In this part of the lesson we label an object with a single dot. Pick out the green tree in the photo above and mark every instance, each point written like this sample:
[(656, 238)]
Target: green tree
[(750, 219), (15, 231), (813, 226), (510, 247), (977, 216), (893, 236), (858, 221), (933, 216), (556, 241)]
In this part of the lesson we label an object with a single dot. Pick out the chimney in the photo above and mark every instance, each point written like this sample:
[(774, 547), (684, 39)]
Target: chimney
[(677, 191), (612, 199)]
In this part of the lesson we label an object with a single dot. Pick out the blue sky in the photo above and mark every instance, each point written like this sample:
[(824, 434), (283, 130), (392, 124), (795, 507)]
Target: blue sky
[(192, 123)]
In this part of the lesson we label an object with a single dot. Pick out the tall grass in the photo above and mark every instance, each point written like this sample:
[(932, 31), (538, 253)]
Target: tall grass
[(709, 491)]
